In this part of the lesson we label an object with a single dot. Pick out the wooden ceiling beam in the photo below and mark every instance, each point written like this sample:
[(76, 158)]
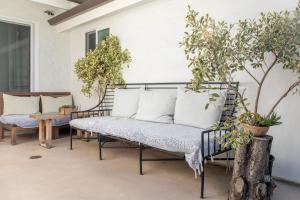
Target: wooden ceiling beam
[(78, 1), (82, 8)]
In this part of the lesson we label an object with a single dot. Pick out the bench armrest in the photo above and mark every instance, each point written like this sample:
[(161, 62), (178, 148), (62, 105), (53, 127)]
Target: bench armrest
[(211, 140)]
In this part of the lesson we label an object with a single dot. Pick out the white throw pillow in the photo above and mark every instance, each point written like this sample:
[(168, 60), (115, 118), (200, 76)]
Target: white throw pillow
[(156, 106), (17, 105), (52, 104), (190, 108), (125, 102)]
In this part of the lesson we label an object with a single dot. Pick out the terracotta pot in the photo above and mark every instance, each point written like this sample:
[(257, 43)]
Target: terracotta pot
[(65, 111), (257, 131)]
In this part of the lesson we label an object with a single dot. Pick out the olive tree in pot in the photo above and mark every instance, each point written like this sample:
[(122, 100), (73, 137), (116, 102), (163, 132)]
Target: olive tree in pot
[(216, 51), (102, 67)]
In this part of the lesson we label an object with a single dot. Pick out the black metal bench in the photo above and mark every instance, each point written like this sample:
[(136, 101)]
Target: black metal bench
[(105, 106)]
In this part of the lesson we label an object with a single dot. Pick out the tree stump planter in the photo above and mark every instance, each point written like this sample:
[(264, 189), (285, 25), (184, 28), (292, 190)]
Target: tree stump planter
[(251, 178)]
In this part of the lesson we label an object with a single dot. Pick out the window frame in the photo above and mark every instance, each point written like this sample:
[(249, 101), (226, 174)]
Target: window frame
[(94, 31), (87, 42), (34, 71)]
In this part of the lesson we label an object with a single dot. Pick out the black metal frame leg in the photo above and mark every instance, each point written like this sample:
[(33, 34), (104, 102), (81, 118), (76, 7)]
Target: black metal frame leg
[(71, 138), (141, 158), (202, 181), (100, 146)]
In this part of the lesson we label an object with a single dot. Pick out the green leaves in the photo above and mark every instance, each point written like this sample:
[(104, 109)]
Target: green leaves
[(258, 120), (216, 50), (206, 44), (102, 66)]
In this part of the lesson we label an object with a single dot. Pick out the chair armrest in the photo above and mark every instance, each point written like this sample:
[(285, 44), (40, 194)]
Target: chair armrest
[(90, 113)]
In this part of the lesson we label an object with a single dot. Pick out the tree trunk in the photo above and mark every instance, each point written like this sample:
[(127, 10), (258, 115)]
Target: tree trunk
[(251, 178)]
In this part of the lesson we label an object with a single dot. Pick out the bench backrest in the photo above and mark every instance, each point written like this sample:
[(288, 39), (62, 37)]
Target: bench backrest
[(28, 94), (230, 103)]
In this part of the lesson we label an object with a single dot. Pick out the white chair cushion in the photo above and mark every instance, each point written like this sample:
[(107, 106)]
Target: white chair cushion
[(126, 102), (156, 106), (52, 104), (190, 108), (16, 105)]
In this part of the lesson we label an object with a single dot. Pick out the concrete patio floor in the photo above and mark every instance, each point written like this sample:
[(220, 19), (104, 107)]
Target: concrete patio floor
[(62, 174)]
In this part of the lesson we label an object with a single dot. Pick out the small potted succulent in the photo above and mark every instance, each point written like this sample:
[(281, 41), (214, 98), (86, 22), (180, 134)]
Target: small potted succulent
[(256, 124), (66, 109)]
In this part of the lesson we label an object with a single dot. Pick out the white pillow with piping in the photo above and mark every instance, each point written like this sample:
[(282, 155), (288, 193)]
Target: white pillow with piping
[(190, 108), (52, 104), (125, 102), (157, 106), (18, 105)]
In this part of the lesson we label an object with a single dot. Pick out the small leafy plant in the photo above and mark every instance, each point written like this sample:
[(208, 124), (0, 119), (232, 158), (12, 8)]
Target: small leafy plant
[(103, 66), (258, 120)]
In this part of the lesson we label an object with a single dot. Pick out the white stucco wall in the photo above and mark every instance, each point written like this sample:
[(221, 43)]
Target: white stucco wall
[(51, 49), (152, 33)]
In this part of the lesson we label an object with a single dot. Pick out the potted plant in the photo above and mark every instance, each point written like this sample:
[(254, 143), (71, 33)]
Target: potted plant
[(217, 50), (66, 109), (103, 66)]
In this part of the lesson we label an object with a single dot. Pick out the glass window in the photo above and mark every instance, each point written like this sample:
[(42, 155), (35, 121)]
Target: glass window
[(102, 34), (90, 41), (14, 57)]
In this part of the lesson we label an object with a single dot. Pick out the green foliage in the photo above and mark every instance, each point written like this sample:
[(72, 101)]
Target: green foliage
[(216, 50), (258, 120), (207, 46), (236, 138), (102, 66)]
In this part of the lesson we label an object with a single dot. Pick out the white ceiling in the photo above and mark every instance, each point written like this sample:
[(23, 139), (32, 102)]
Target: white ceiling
[(63, 4)]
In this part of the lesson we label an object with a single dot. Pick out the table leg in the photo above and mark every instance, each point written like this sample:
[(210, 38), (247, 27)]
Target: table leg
[(41, 132), (48, 133)]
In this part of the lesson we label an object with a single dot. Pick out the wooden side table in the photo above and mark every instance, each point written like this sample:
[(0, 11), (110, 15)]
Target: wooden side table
[(45, 127)]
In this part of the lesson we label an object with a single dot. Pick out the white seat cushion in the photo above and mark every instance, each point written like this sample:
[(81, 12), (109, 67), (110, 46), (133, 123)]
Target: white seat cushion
[(125, 102), (17, 105), (25, 121), (190, 108), (156, 106), (170, 137), (52, 104), (89, 123)]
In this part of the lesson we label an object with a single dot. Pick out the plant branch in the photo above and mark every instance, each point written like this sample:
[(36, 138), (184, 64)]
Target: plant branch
[(261, 83), (251, 75), (283, 96), (242, 101), (247, 70)]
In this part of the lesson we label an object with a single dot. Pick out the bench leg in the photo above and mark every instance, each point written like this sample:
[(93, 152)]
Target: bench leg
[(202, 180), (71, 138), (55, 133), (141, 158), (87, 136), (13, 135), (79, 134), (1, 132), (100, 146)]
